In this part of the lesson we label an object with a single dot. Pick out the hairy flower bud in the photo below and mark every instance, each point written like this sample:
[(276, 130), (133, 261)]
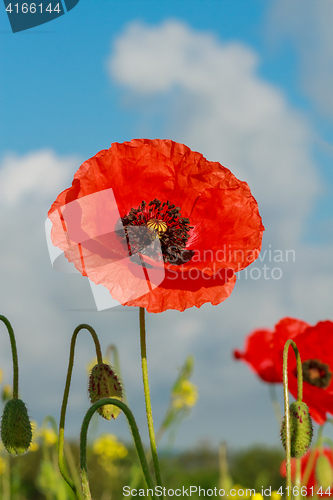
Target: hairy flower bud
[(16, 433), (324, 473), (104, 383), (301, 430)]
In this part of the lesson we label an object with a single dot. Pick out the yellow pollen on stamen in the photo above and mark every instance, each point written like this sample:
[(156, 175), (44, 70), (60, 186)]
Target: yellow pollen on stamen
[(157, 225)]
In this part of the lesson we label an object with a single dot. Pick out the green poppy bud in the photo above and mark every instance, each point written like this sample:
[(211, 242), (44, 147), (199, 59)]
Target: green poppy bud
[(16, 433), (104, 383), (301, 430), (324, 473)]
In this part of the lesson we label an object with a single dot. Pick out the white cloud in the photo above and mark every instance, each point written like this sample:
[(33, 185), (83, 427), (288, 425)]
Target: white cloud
[(223, 109), (38, 173), (309, 26)]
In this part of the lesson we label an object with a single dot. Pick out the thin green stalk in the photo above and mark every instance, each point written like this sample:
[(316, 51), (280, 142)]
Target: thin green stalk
[(136, 437), (72, 465), (147, 396), (286, 405), (312, 458), (14, 355), (6, 478), (61, 460), (298, 478), (115, 363), (112, 349), (275, 403)]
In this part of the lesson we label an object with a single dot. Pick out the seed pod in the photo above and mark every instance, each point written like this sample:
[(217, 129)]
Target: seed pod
[(301, 430), (104, 383), (16, 433), (324, 474)]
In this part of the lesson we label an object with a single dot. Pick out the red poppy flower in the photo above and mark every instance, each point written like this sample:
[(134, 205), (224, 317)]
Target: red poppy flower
[(263, 349), (158, 225), (311, 483), (315, 346), (264, 353)]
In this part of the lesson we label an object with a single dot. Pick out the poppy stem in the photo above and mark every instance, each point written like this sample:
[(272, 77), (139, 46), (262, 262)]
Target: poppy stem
[(275, 403), (136, 438), (61, 461), (14, 355), (147, 395), (312, 458), (286, 405), (298, 479), (112, 357)]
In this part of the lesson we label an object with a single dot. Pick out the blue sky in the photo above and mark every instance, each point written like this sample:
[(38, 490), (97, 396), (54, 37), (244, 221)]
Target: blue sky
[(248, 84)]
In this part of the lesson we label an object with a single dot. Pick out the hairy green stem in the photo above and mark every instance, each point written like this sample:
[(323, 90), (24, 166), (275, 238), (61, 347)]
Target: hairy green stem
[(136, 437), (61, 460), (147, 396), (14, 355), (286, 405)]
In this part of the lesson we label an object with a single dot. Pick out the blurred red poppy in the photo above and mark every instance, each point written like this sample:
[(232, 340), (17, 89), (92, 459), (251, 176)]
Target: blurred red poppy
[(264, 353), (158, 225), (263, 348), (311, 482), (315, 345)]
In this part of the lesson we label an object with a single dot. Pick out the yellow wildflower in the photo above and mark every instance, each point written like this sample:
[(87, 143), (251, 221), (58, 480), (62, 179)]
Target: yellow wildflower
[(186, 395), (257, 496), (34, 445), (49, 436), (6, 393), (275, 495), (107, 446)]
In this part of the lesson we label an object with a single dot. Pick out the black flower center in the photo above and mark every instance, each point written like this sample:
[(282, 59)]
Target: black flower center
[(316, 373), (156, 225)]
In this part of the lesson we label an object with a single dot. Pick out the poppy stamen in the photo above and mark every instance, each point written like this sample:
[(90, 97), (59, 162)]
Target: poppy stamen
[(157, 221), (157, 226), (316, 373)]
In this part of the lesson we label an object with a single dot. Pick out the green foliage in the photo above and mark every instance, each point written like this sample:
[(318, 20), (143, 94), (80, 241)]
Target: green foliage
[(256, 467)]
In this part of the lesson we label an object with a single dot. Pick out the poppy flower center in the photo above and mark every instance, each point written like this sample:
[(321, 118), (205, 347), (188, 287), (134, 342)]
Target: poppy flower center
[(316, 373), (156, 225)]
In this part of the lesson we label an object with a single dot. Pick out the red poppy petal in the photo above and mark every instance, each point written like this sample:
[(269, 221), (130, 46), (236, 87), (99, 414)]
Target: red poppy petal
[(220, 208)]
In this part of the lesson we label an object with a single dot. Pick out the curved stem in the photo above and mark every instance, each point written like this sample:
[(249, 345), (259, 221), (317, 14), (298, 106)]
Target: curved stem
[(61, 460), (136, 437), (286, 404), (14, 355), (50, 419), (147, 396)]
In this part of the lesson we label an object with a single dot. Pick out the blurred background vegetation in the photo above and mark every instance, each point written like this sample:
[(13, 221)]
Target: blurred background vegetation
[(112, 465)]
